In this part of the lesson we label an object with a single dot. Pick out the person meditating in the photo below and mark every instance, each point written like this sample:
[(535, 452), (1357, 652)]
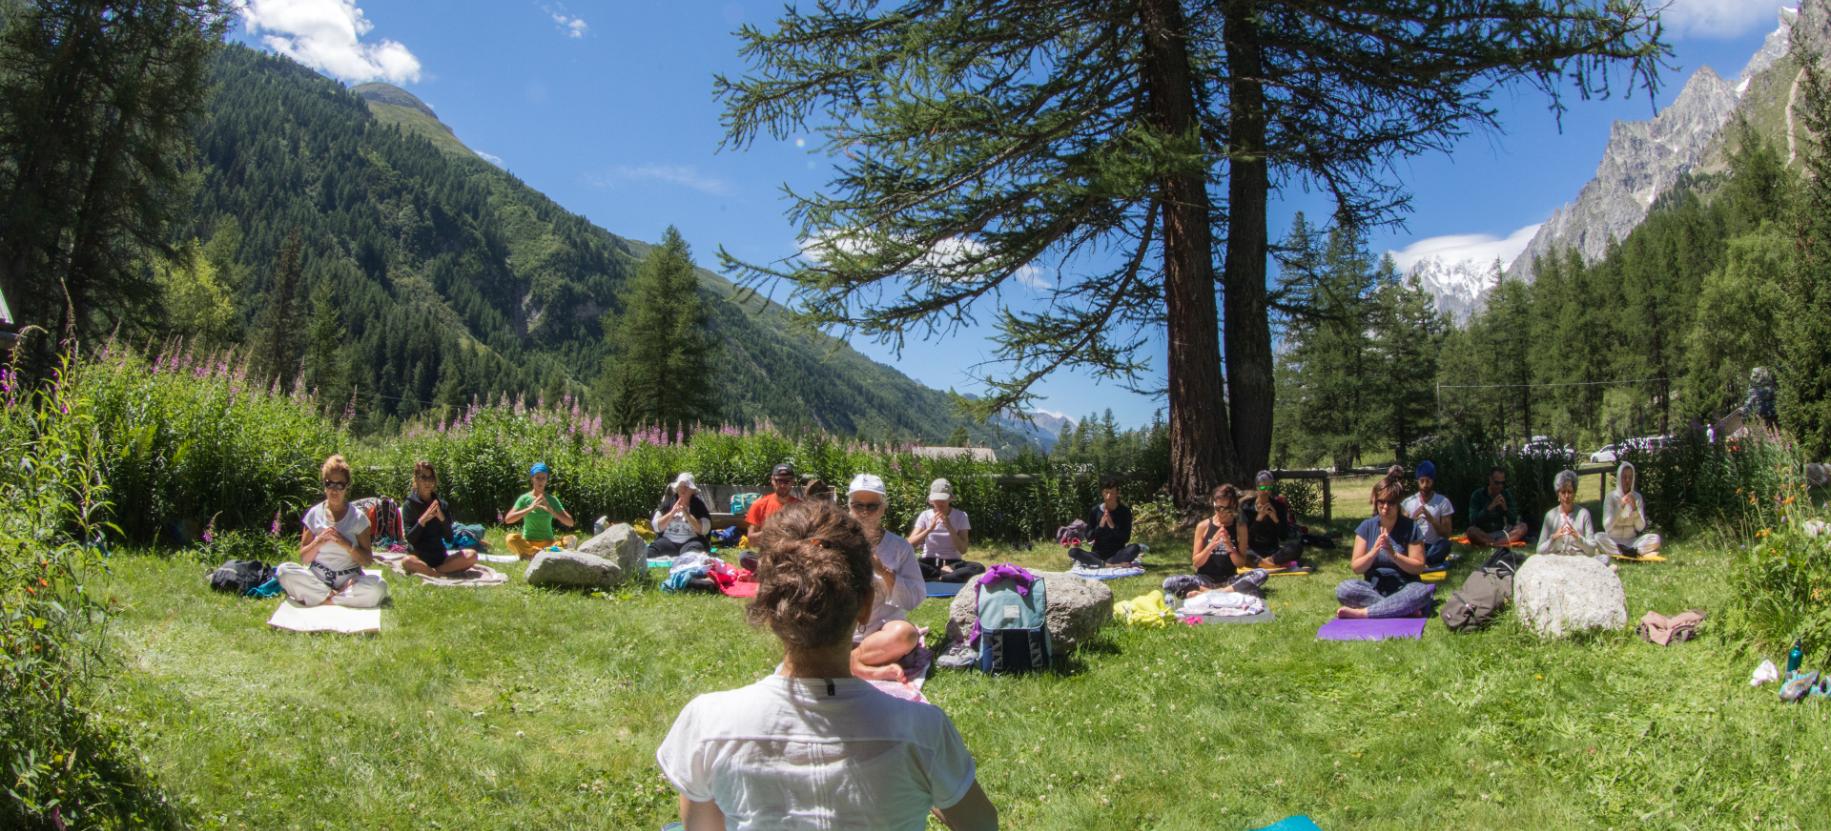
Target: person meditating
[(536, 510), (333, 549), (428, 518), (943, 532), (810, 746), (1219, 552), (1109, 527), (1494, 519), (896, 590), (1567, 528), (681, 522), (1431, 515), (1389, 559), (1274, 542), (1624, 517), (781, 495)]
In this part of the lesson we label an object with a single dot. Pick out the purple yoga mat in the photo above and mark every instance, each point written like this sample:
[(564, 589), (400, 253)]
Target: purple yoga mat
[(1341, 629)]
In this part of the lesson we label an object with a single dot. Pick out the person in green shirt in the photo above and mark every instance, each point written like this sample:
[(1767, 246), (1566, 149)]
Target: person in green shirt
[(536, 510), (1494, 519)]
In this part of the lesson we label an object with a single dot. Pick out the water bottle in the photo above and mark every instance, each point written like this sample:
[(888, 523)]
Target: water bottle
[(1792, 658)]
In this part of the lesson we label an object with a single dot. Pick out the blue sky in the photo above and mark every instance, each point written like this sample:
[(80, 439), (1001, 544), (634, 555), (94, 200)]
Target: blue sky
[(608, 109)]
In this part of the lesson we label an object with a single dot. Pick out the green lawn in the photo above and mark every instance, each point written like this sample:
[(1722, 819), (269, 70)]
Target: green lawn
[(512, 707)]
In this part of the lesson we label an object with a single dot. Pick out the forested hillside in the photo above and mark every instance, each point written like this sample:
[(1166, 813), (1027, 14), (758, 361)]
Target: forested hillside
[(426, 276)]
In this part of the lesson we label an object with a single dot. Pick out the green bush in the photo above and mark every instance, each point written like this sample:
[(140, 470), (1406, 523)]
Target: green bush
[(1781, 589), (188, 439), (62, 766), (1737, 483)]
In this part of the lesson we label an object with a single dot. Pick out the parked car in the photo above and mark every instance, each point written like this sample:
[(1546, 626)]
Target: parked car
[(1641, 445), (1546, 447)]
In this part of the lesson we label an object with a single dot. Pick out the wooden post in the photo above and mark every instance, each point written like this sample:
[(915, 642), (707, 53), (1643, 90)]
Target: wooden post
[(1328, 502)]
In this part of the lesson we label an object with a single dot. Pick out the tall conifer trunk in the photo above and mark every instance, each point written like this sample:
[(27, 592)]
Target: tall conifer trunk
[(1201, 451), (1250, 387)]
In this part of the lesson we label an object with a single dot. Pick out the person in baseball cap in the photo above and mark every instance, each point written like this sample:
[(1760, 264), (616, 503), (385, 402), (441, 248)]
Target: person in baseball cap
[(943, 532), (887, 635), (781, 495), (536, 510), (1272, 536)]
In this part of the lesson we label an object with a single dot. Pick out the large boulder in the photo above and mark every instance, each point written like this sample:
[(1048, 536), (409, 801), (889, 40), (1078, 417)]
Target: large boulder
[(1078, 607), (574, 570), (619, 544), (1557, 594)]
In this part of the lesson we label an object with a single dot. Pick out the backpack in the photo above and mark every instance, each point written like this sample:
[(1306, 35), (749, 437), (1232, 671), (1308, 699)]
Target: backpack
[(240, 577), (386, 523), (1013, 636), (740, 503), (1072, 533), (1481, 598)]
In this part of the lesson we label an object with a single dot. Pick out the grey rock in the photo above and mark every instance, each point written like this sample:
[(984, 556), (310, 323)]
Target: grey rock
[(619, 544), (1078, 607), (1557, 594), (573, 569), (1818, 475)]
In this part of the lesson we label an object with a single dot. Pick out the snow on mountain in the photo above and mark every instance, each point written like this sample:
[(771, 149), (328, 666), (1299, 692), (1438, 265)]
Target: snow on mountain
[(1042, 428), (1459, 270)]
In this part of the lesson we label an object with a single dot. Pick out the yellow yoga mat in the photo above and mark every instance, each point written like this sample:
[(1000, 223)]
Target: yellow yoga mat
[(1434, 576), (1650, 558)]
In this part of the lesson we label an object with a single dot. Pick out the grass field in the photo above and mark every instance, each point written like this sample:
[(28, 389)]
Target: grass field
[(512, 707)]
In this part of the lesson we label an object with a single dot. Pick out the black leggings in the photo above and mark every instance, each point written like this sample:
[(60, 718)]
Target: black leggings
[(963, 570), (664, 547), (1128, 554)]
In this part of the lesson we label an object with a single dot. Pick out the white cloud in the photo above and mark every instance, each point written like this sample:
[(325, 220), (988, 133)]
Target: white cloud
[(1720, 18), (574, 27), (686, 176), (492, 158), (945, 261), (1481, 249), (1052, 414), (327, 35)]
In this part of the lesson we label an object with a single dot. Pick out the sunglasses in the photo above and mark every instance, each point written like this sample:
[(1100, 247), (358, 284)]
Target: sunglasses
[(332, 485), (866, 507), (1224, 505)]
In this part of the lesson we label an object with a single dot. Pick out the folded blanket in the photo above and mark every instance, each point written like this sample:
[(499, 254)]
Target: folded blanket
[(1223, 604), (341, 619), (940, 589), (1105, 573), (475, 576)]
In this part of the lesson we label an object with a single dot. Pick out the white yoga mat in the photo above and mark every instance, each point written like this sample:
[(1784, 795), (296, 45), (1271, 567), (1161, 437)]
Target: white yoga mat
[(292, 617)]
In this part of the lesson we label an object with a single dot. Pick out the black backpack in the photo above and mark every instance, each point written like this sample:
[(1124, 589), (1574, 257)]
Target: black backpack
[(238, 577)]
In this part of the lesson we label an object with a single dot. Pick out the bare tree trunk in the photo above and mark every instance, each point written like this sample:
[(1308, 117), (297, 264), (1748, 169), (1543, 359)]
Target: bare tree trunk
[(1250, 387), (1201, 452)]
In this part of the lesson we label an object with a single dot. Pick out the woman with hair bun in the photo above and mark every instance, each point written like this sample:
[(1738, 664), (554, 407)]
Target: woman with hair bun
[(811, 746)]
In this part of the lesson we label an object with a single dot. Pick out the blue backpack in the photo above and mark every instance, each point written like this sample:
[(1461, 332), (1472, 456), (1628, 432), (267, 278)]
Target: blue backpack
[(1013, 636)]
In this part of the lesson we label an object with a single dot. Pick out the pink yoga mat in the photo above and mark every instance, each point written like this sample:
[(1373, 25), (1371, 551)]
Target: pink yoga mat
[(1341, 629)]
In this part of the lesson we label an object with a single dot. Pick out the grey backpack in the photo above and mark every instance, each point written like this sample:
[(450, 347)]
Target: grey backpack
[(1480, 599)]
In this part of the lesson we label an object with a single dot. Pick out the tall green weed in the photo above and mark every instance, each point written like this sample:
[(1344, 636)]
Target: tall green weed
[(62, 767)]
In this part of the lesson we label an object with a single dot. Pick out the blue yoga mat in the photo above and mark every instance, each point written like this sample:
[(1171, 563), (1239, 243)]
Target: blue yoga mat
[(1296, 823), (944, 589)]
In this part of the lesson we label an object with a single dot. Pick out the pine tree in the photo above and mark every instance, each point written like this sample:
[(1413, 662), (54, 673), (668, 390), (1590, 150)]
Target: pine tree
[(662, 370), (276, 350), (323, 366), (1805, 328), (1408, 336), (98, 99), (982, 143)]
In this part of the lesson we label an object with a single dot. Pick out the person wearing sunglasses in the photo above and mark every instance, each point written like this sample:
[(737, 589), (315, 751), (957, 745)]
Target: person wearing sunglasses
[(1109, 528), (1494, 519), (333, 549), (537, 510), (1219, 554), (428, 518), (897, 588), (1389, 559), (781, 495)]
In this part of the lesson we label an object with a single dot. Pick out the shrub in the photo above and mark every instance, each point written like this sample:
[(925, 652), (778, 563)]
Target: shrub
[(62, 766), (187, 439), (1781, 589)]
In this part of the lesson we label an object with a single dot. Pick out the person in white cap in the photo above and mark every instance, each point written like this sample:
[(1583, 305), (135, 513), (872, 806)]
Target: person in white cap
[(944, 532), (887, 636), (681, 521)]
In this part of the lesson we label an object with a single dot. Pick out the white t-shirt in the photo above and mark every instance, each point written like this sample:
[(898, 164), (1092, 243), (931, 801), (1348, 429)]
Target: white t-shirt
[(899, 557), (782, 753), (940, 542), (1439, 508), (334, 554)]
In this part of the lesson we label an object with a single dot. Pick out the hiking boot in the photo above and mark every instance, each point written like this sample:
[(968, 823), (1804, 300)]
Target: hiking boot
[(959, 655)]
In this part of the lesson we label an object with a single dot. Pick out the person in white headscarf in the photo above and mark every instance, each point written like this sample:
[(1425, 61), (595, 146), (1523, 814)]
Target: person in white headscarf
[(1624, 517)]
